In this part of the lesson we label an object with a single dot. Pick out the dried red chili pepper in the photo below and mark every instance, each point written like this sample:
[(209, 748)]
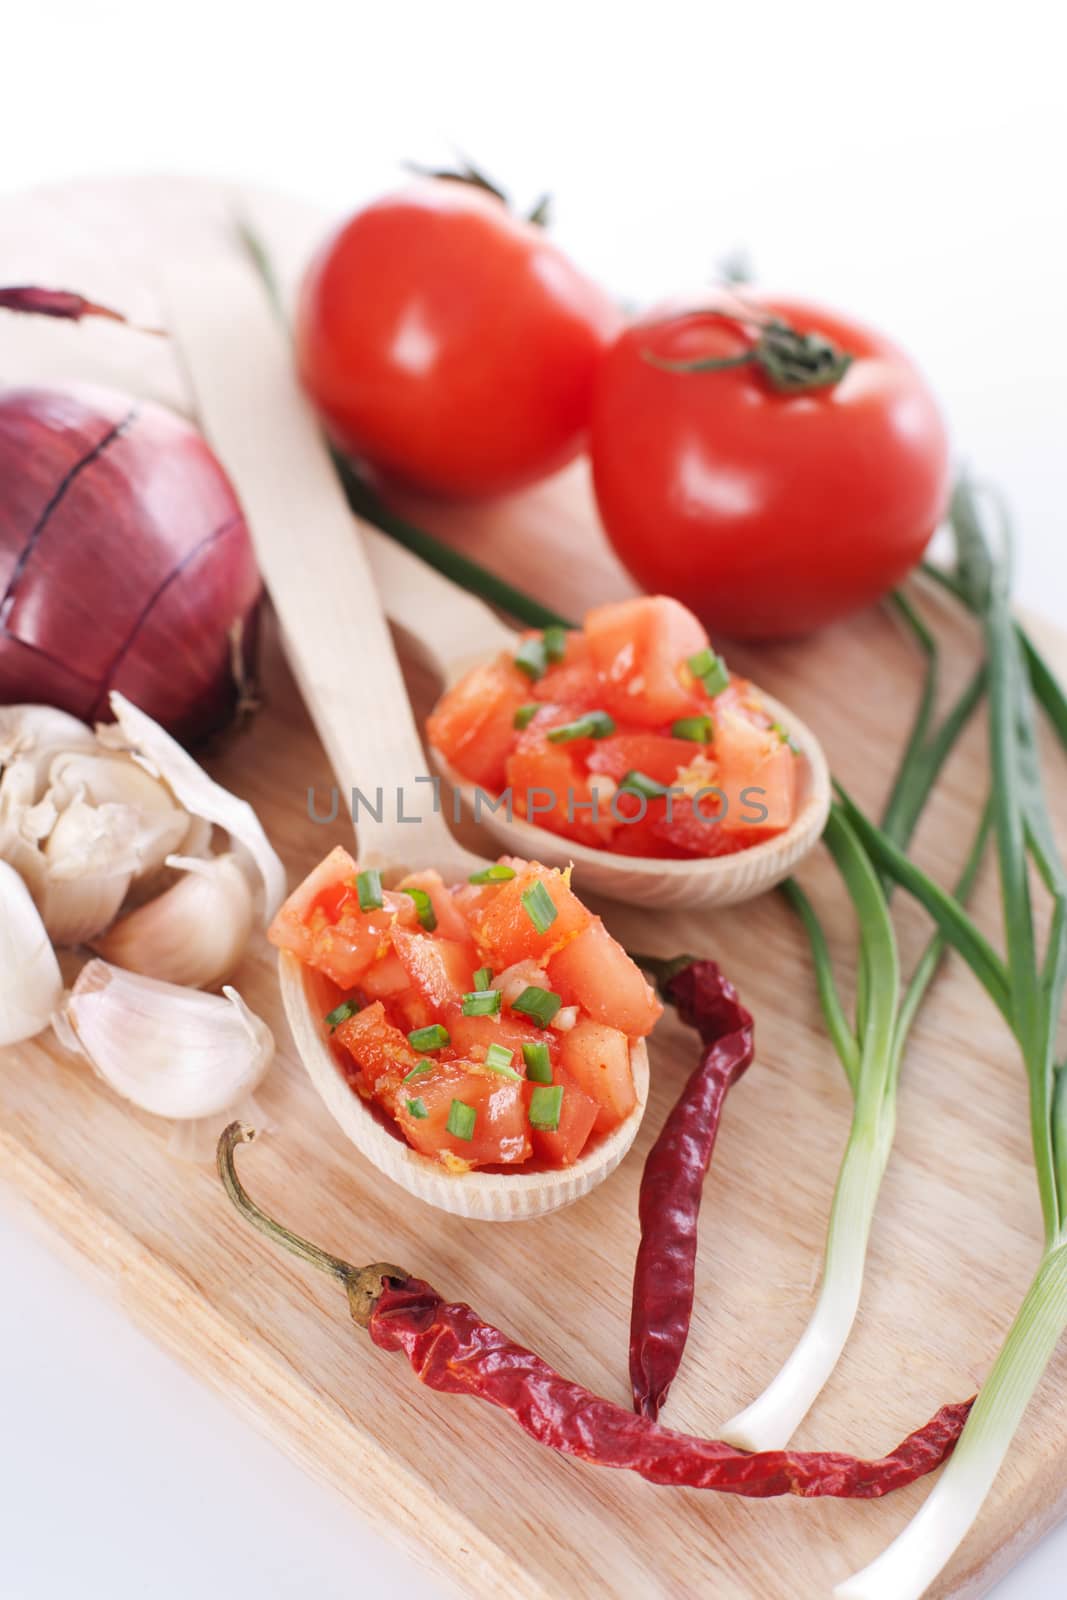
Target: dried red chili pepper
[(673, 1180), (452, 1350)]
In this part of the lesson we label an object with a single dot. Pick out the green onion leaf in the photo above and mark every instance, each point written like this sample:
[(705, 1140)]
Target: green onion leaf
[(341, 1013), (525, 715), (700, 729), (641, 783), (482, 1003), (417, 1108), (483, 978), (461, 1120), (420, 1071), (369, 890), (538, 1065), (545, 1105), (498, 1058), (539, 906), (532, 658), (435, 1037), (711, 670), (497, 873), (554, 640), (785, 737), (423, 908), (539, 1004), (593, 725)]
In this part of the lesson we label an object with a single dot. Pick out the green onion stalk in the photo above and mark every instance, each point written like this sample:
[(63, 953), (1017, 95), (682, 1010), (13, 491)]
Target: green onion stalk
[(1027, 986), (871, 1050)]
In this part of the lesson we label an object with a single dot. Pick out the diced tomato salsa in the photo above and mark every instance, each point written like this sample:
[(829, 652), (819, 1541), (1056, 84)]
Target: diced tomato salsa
[(630, 734), (492, 1021)]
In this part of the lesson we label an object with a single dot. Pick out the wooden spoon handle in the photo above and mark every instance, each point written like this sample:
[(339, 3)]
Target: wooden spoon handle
[(449, 627), (310, 555)]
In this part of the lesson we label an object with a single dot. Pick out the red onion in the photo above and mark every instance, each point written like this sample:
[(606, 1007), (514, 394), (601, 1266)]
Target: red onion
[(125, 562)]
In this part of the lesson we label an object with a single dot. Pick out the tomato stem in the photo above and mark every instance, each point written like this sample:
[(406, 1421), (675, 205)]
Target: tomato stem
[(792, 362)]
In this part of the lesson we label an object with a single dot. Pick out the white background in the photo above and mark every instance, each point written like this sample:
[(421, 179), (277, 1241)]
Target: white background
[(903, 161)]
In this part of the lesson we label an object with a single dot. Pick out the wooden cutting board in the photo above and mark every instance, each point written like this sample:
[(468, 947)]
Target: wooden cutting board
[(958, 1230)]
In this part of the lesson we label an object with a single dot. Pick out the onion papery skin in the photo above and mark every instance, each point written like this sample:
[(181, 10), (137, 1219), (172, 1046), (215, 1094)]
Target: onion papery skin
[(125, 561)]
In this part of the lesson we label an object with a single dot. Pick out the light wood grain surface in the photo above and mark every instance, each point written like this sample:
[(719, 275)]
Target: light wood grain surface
[(958, 1229)]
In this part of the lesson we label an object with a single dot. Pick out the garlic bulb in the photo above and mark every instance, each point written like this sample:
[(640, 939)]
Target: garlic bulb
[(34, 734), (195, 933), (30, 981), (176, 1052), (164, 758)]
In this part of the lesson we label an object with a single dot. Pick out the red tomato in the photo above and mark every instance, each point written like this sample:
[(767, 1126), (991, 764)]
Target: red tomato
[(380, 1051), (449, 343), (322, 924), (770, 514), (654, 754)]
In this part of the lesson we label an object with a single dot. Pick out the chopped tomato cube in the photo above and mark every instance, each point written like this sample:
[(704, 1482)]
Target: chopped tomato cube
[(654, 754), (598, 1057), (572, 681), (640, 649), (757, 772), (561, 1147), (508, 931), (594, 972), (379, 1050), (472, 1036), (473, 724), (500, 1131), (386, 977), (321, 922), (440, 969), (550, 785)]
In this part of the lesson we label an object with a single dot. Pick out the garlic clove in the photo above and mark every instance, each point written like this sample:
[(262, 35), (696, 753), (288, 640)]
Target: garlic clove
[(30, 981), (175, 1052), (35, 734), (195, 933), (164, 758), (156, 827)]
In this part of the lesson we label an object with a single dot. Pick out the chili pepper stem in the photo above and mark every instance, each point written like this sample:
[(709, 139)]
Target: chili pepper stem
[(362, 1284), (905, 1569), (771, 1420)]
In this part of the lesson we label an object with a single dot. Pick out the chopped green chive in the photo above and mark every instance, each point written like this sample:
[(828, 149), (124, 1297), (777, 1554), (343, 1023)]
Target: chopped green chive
[(461, 1120), (498, 1058), (483, 978), (435, 1037), (539, 1004), (482, 1003), (594, 725), (641, 783), (417, 1108), (538, 1065), (532, 658), (539, 907), (525, 715), (369, 890), (423, 908), (545, 1105), (497, 873), (700, 729), (420, 1071), (786, 737), (341, 1013), (711, 670), (554, 640)]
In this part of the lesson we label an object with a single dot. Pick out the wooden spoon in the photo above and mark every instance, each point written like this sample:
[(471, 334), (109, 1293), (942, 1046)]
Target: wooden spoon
[(454, 631), (339, 647)]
